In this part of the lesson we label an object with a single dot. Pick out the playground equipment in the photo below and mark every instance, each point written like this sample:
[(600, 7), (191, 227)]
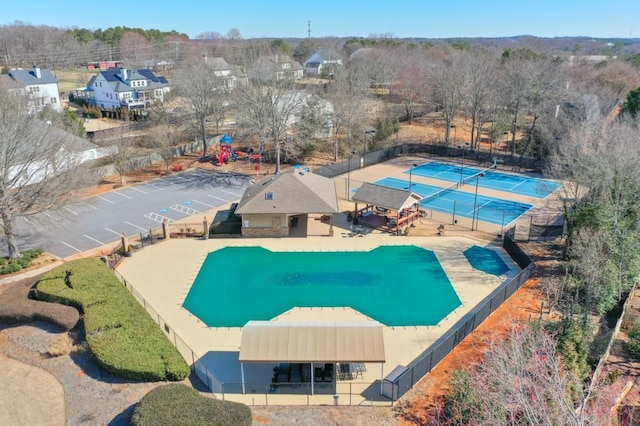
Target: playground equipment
[(226, 150)]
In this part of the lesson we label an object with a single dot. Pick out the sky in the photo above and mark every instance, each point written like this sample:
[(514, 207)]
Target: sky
[(346, 18)]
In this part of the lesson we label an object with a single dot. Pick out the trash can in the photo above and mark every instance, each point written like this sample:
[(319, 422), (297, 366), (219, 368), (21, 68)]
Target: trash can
[(335, 399)]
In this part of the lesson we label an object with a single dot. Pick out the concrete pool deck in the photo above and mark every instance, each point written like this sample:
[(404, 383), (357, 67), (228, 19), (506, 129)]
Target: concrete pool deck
[(162, 275)]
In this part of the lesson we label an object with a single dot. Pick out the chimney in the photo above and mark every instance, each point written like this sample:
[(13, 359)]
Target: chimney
[(204, 57), (36, 72), (124, 74)]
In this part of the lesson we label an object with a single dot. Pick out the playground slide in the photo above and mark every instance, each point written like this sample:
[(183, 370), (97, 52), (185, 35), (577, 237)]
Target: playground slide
[(222, 157)]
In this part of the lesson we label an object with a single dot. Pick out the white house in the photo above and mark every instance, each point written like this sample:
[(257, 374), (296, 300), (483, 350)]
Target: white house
[(41, 86), (121, 87), (229, 75), (284, 67), (322, 63)]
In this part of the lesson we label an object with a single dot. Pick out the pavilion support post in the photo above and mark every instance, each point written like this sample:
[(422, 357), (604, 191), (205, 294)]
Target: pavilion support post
[(381, 377), (331, 225), (242, 374), (313, 379)]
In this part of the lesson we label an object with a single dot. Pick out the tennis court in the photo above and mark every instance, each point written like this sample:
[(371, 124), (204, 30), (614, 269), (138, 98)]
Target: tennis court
[(460, 203), (522, 185)]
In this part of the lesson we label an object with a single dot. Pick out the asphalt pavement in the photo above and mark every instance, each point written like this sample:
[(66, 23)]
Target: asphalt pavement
[(101, 220)]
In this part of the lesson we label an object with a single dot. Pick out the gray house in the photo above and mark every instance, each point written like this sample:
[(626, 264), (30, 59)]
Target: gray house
[(280, 203)]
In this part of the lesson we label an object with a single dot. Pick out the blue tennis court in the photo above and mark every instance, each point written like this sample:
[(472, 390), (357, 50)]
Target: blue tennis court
[(523, 185), (459, 203)]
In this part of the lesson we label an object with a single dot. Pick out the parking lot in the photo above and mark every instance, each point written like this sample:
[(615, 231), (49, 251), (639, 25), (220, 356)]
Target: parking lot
[(102, 219)]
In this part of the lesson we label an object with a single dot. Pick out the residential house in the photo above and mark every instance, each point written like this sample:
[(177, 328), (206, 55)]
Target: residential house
[(323, 63), (41, 86), (121, 87), (230, 75), (280, 67)]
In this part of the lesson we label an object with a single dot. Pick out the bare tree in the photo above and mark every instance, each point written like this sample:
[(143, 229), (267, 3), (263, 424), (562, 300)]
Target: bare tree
[(164, 139), (134, 48), (521, 380), (40, 165), (122, 152), (412, 81), (206, 95), (268, 105), (448, 84)]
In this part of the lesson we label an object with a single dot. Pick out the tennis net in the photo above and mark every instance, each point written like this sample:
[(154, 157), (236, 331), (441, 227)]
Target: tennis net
[(474, 176), (441, 192)]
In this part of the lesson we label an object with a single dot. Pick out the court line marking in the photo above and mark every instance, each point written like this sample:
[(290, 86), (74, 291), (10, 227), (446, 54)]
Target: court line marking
[(115, 232), (108, 201), (136, 226), (139, 190), (125, 196), (93, 239), (71, 247), (204, 204), (69, 210)]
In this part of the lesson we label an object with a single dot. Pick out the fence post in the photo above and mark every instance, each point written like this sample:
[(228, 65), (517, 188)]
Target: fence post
[(165, 234), (205, 228), (141, 240)]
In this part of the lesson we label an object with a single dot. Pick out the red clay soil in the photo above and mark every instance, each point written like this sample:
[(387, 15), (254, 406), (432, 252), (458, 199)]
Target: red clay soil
[(522, 306)]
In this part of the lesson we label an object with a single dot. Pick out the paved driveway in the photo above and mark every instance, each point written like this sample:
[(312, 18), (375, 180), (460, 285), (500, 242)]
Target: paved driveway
[(102, 219)]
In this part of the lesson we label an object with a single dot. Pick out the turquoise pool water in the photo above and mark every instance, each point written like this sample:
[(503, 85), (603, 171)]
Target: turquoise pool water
[(486, 260), (395, 285)]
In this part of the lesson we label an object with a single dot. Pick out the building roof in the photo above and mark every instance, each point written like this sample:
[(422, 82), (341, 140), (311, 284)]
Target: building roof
[(297, 192), (114, 77), (218, 63), (29, 77), (385, 197), (303, 342)]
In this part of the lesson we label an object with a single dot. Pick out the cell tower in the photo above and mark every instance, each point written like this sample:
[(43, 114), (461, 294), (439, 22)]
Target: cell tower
[(308, 29)]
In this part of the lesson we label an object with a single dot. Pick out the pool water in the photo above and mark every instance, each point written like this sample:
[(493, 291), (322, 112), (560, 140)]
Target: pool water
[(486, 260), (395, 285)]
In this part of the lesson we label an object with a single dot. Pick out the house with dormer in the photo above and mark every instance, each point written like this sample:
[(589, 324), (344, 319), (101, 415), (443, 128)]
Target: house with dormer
[(39, 84), (323, 63), (125, 88)]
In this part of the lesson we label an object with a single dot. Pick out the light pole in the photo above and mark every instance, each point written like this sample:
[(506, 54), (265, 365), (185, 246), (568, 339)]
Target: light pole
[(364, 155), (349, 175), (410, 173), (506, 135), (463, 146), (474, 216)]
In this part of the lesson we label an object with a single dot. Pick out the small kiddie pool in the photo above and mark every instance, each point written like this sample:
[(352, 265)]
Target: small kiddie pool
[(486, 260), (395, 285)]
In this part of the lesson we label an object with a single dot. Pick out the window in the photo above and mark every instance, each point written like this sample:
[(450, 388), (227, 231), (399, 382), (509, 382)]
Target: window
[(53, 100), (268, 195)]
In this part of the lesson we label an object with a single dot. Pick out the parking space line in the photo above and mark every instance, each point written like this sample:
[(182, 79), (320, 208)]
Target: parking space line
[(71, 247), (204, 204), (27, 220), (115, 232), (87, 204), (136, 226), (71, 211), (218, 198), (231, 193), (153, 186), (108, 201), (139, 190), (49, 215), (125, 196), (93, 239)]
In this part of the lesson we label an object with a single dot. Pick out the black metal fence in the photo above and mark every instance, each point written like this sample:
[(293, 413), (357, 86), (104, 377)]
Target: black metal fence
[(426, 361)]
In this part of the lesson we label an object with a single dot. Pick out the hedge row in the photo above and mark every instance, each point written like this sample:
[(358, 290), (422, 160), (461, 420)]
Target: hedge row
[(177, 404), (121, 335)]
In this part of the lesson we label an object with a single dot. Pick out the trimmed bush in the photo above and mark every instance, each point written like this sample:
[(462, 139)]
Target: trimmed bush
[(177, 404), (9, 266), (124, 339)]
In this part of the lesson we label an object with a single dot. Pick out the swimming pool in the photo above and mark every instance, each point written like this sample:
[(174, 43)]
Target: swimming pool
[(395, 285), (523, 185), (460, 203)]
